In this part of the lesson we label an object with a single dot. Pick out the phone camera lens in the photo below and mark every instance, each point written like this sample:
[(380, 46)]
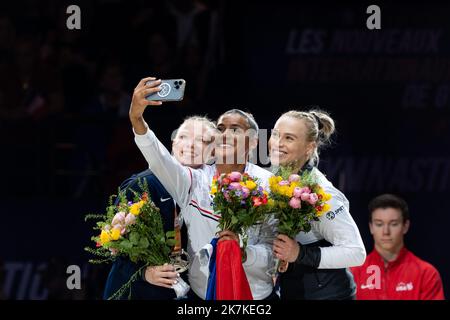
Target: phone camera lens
[(176, 83), (177, 87)]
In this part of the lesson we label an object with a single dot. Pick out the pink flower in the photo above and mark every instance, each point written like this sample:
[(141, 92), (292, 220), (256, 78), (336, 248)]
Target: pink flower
[(294, 177), (313, 198), (297, 192), (283, 183), (119, 218), (235, 176), (235, 186), (295, 203), (305, 196), (306, 190), (130, 219), (113, 251), (245, 192)]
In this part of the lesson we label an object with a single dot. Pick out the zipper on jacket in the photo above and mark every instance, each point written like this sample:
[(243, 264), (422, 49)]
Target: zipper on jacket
[(319, 284)]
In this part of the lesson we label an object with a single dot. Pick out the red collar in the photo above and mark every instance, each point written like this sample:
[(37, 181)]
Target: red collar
[(400, 258)]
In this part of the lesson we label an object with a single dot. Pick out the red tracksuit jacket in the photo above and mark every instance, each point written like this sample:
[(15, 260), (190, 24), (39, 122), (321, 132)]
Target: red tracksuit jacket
[(406, 278)]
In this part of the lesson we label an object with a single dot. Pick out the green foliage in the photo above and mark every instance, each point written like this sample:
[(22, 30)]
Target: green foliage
[(292, 221), (93, 217)]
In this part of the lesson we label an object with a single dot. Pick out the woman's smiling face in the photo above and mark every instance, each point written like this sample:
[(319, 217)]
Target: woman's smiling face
[(232, 139), (190, 145), (288, 143)]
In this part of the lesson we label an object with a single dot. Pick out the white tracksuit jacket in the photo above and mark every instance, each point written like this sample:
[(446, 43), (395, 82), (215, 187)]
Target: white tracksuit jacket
[(190, 189)]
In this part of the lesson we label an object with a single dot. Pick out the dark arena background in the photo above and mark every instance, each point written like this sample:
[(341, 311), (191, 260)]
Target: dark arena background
[(67, 143)]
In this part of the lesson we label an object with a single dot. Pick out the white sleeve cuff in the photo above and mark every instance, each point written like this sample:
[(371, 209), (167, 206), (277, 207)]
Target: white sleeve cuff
[(145, 139)]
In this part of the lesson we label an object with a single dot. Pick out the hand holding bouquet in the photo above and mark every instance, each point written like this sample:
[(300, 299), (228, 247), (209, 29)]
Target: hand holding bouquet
[(134, 229), (240, 202)]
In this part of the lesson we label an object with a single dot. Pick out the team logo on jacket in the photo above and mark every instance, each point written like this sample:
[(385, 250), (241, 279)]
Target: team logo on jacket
[(404, 286), (332, 214)]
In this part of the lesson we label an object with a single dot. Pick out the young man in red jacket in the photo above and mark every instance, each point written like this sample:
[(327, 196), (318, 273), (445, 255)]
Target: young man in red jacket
[(392, 272)]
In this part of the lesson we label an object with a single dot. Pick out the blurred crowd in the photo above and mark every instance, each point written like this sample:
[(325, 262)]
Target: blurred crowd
[(65, 94)]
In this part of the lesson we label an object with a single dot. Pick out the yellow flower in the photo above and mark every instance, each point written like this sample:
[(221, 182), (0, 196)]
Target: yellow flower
[(135, 208), (104, 237), (325, 196), (291, 189), (275, 179), (274, 188), (285, 191), (295, 184), (250, 185), (272, 181), (213, 190), (115, 234), (326, 207)]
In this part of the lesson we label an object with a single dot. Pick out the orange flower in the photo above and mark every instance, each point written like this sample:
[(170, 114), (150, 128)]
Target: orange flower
[(256, 201)]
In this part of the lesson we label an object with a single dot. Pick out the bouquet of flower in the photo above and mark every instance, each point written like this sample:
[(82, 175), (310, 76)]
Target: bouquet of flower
[(239, 200), (133, 229), (296, 201)]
